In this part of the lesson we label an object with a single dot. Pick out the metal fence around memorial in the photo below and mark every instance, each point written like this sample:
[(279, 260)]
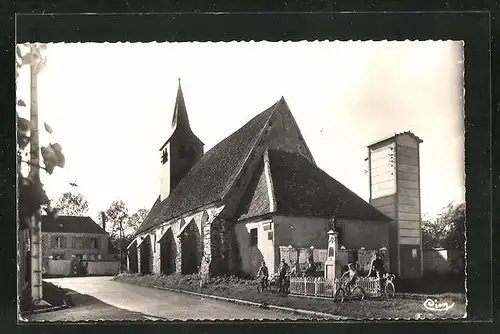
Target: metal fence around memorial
[(320, 287)]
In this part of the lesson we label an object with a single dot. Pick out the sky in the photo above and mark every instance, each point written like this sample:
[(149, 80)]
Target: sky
[(111, 104)]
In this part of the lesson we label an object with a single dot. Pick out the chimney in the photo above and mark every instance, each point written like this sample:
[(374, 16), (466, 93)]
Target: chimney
[(103, 219)]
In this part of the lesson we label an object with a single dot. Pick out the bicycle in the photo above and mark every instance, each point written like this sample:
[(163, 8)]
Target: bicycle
[(346, 291), (389, 288), (283, 286), (266, 285)]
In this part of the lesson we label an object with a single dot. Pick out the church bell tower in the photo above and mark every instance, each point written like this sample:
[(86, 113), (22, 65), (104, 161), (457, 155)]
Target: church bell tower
[(181, 150)]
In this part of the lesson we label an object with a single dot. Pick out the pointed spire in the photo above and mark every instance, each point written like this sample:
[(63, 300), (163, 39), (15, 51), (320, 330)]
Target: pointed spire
[(180, 117)]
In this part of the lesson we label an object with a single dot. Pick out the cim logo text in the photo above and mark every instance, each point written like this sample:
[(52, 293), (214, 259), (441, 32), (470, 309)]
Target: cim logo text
[(433, 305)]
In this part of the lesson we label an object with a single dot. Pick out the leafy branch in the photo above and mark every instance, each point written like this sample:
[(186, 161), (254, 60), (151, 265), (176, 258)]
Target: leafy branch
[(32, 196)]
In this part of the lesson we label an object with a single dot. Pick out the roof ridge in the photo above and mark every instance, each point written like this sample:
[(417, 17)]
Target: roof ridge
[(252, 149), (298, 129), (273, 204)]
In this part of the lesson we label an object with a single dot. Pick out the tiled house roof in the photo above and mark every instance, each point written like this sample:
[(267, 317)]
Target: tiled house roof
[(212, 176), (302, 189), (70, 224)]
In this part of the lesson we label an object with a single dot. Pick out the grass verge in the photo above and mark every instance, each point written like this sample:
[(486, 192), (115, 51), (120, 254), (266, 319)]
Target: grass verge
[(404, 306), (52, 294), (86, 308)]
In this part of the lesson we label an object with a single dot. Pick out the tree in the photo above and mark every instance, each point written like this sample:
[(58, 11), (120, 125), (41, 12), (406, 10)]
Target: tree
[(32, 196), (117, 219), (135, 221), (121, 226), (447, 230), (71, 204)]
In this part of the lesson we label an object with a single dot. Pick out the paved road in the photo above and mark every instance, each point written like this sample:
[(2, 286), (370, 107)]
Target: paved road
[(162, 304)]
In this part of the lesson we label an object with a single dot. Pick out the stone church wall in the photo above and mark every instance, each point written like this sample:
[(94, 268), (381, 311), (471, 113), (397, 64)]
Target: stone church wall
[(203, 220)]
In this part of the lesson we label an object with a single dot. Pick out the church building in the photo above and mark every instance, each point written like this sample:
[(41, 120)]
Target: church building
[(226, 210)]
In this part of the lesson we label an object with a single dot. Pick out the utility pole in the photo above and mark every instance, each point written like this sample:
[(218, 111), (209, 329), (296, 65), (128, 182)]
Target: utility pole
[(121, 245), (36, 228)]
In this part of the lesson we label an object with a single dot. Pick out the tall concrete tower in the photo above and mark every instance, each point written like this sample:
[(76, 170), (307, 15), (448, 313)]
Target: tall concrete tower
[(394, 172)]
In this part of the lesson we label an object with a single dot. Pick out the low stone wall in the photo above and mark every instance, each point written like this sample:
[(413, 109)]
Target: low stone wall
[(58, 267), (99, 268)]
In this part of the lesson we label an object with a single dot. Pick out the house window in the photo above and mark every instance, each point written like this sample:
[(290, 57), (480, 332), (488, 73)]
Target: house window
[(414, 253), (270, 235), (253, 237), (94, 243), (154, 243), (59, 242), (78, 243)]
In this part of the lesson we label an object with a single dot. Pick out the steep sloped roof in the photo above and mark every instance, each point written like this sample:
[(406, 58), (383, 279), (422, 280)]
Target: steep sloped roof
[(70, 224), (212, 176), (255, 201), (154, 210), (302, 189)]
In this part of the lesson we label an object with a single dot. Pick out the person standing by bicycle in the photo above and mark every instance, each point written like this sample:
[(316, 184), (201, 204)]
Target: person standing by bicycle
[(282, 271), (263, 273), (377, 267), (295, 271)]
